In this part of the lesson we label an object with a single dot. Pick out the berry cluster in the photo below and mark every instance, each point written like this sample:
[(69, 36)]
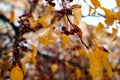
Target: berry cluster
[(22, 46), (50, 2), (67, 11), (71, 32), (25, 25)]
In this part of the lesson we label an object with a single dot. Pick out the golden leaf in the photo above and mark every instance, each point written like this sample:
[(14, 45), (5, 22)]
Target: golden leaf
[(16, 73), (118, 3), (75, 6), (96, 67), (65, 41), (12, 16), (109, 16), (100, 30), (24, 69), (78, 72), (111, 37), (54, 68), (77, 15), (45, 20), (117, 15), (26, 58), (48, 36), (34, 54), (33, 23), (99, 60), (96, 3)]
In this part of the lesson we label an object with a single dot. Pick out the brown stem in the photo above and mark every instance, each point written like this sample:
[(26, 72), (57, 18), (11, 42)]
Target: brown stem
[(73, 25)]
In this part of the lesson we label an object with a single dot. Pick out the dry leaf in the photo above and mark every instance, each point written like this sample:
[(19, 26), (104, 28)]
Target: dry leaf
[(12, 16), (16, 73), (78, 30), (100, 30), (109, 16), (48, 36), (117, 15), (65, 41), (54, 68), (45, 20), (99, 60), (77, 15), (118, 3), (96, 3)]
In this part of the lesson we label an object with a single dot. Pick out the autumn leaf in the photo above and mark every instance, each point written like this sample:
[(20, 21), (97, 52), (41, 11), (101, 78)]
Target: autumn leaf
[(118, 3), (117, 15), (78, 30), (96, 3), (48, 36), (12, 16), (78, 72), (45, 20), (33, 23), (34, 54), (109, 16), (65, 40), (77, 13), (100, 30), (16, 73), (24, 69), (54, 68), (98, 61)]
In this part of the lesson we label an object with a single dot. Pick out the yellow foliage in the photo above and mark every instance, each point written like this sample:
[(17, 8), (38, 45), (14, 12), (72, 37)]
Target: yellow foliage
[(78, 72), (109, 16), (117, 15), (118, 3), (16, 73), (34, 54), (12, 16), (100, 30), (99, 60), (48, 36), (96, 3), (54, 68), (30, 57), (33, 23), (65, 41), (45, 20), (77, 15)]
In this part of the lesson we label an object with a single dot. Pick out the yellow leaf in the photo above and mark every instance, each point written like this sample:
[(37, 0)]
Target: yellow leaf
[(12, 16), (100, 30), (109, 16), (16, 73), (118, 3), (96, 3), (117, 15), (78, 72), (26, 58), (34, 54), (112, 37), (54, 68), (48, 36), (33, 23), (24, 69), (65, 41), (96, 67), (99, 60), (45, 20), (77, 15), (75, 6)]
